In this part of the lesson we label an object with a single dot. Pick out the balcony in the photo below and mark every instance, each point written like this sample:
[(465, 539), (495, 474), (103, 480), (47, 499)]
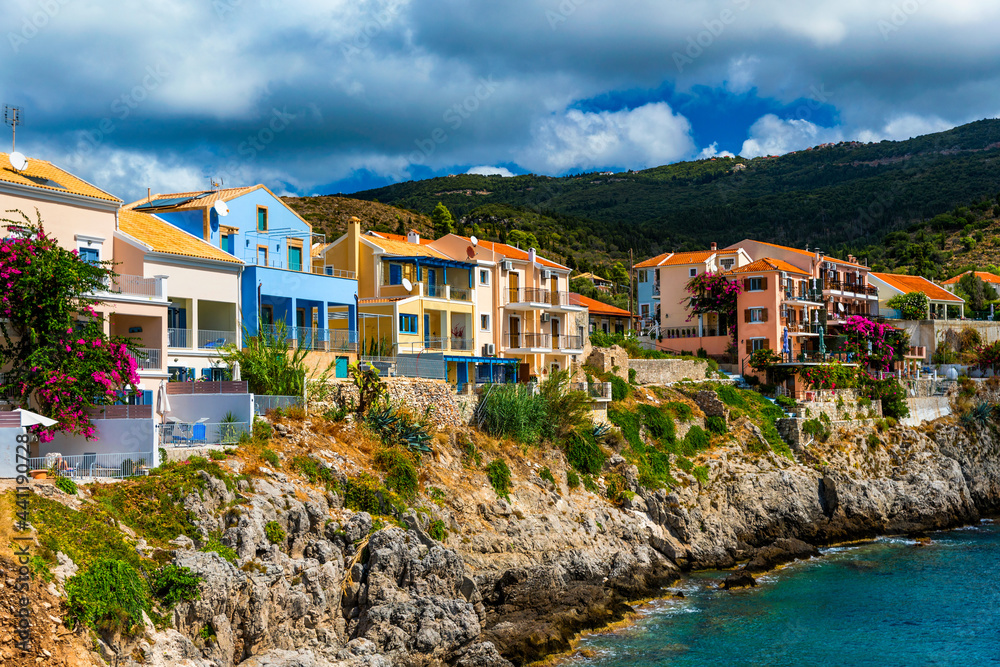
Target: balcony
[(656, 290), (147, 358), (563, 301), (462, 344), (599, 392), (527, 298), (135, 287), (208, 339), (570, 344), (320, 340), (858, 289), (530, 342)]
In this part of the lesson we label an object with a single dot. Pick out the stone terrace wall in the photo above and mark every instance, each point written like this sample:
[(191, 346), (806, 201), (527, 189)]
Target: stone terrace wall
[(667, 371), (415, 394), (826, 403)]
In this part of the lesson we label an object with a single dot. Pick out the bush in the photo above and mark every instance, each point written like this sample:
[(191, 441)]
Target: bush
[(717, 425), (617, 489), (275, 533), (817, 429), (695, 441), (313, 470), (66, 485), (498, 473), (584, 454), (631, 376), (572, 479), (589, 484), (682, 411), (620, 389), (437, 530), (216, 455), (789, 403), (701, 474), (546, 474), (361, 494), (658, 423), (215, 546), (401, 474), (514, 411), (108, 595), (912, 306), (271, 457), (172, 584)]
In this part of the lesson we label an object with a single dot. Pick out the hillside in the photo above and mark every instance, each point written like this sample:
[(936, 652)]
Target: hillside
[(828, 196), (328, 215)]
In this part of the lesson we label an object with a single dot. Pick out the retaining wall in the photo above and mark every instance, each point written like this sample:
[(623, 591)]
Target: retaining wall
[(667, 371)]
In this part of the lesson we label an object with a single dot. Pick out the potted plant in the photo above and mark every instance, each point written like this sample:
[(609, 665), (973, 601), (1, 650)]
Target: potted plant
[(41, 473)]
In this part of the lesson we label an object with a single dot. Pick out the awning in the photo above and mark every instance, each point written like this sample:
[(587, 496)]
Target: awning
[(480, 360)]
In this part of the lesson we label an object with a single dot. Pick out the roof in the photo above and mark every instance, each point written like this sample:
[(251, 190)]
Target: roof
[(907, 284), (396, 237), (381, 299), (770, 264), (806, 253), (187, 201), (593, 278), (681, 258), (982, 275), (510, 252), (598, 307), (44, 175), (163, 237), (404, 248)]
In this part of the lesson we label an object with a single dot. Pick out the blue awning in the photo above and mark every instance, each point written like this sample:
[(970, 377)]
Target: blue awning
[(480, 360)]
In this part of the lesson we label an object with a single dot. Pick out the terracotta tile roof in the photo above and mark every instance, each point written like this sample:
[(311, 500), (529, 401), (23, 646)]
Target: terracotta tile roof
[(396, 237), (770, 264), (404, 248), (597, 307), (46, 176), (808, 253), (907, 284), (198, 199), (510, 252), (680, 258), (163, 237), (983, 275), (591, 277), (652, 261)]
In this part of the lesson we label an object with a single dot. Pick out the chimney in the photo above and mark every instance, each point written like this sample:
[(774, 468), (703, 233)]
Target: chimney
[(413, 237), (714, 246), (149, 195), (353, 241)]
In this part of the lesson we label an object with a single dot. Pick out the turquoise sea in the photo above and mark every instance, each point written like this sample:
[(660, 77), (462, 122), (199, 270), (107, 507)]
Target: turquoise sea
[(888, 602)]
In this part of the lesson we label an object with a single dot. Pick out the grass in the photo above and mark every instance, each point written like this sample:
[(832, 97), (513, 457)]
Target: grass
[(498, 473), (401, 473), (108, 594), (514, 411)]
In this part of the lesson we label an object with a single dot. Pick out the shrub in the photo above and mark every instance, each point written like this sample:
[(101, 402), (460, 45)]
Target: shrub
[(912, 306), (216, 455), (589, 484), (66, 485), (817, 429), (620, 390), (398, 427), (172, 583), (436, 495), (787, 402), (514, 411), (216, 546), (717, 425), (271, 457), (401, 474), (275, 533), (572, 479), (108, 595), (313, 470), (695, 441), (361, 494), (584, 454), (658, 423), (631, 376), (682, 411), (437, 530), (499, 475), (618, 490), (701, 474), (546, 474)]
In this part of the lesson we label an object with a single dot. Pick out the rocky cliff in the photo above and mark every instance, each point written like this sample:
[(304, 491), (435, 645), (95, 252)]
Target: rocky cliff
[(514, 581)]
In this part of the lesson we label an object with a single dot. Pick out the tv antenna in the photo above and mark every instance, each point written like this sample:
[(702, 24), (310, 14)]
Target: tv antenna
[(216, 186), (13, 116)]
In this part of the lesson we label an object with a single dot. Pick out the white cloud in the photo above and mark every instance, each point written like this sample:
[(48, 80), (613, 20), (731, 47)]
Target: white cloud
[(904, 127), (491, 171), (741, 74), (713, 151), (771, 135), (646, 136)]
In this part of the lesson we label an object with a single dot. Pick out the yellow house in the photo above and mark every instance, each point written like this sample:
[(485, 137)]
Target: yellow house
[(414, 302)]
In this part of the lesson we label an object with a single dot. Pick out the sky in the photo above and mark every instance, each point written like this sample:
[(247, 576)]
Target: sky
[(337, 96)]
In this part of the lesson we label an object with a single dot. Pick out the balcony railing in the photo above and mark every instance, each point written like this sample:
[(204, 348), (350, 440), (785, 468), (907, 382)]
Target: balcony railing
[(559, 299), (330, 271), (325, 340), (461, 294), (435, 343), (136, 286), (600, 391), (181, 434), (111, 466), (854, 288), (209, 339), (532, 340), (566, 342), (528, 295), (462, 344), (179, 337), (147, 358)]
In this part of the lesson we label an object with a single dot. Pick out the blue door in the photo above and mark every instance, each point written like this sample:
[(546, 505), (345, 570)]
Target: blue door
[(463, 372), (341, 367), (427, 330), (431, 282)]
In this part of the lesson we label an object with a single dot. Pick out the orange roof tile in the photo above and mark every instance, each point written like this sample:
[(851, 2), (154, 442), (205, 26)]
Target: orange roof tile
[(163, 237), (205, 198), (808, 253), (769, 264), (598, 307), (46, 176), (681, 258), (652, 261), (983, 275), (907, 284), (510, 252), (396, 237), (404, 248)]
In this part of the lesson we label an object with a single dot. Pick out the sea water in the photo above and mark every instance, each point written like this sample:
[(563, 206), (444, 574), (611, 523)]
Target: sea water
[(893, 601)]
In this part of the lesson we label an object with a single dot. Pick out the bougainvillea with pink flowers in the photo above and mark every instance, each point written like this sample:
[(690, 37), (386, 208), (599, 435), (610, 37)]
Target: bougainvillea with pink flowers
[(713, 293), (60, 363), (887, 343)]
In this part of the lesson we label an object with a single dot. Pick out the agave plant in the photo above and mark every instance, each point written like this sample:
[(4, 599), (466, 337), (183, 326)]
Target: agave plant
[(394, 429)]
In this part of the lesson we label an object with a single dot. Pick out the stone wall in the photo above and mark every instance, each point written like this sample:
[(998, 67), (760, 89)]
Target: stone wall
[(450, 409), (667, 371), (927, 333), (612, 359), (838, 405)]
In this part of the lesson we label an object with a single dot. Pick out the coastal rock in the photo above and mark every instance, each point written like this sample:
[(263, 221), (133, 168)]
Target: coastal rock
[(782, 551), (739, 579)]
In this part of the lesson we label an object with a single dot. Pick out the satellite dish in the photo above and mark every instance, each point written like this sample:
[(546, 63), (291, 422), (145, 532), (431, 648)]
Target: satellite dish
[(840, 306), (474, 240), (407, 285), (221, 208), (471, 252), (18, 161)]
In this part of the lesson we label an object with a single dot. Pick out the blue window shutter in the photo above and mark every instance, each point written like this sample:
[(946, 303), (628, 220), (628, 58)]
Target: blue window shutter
[(147, 397), (395, 274), (206, 373)]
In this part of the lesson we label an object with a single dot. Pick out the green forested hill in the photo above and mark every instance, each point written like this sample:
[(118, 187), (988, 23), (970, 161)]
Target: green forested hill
[(829, 196)]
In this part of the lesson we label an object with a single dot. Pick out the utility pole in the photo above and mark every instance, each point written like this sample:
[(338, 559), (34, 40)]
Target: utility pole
[(13, 116), (631, 269)]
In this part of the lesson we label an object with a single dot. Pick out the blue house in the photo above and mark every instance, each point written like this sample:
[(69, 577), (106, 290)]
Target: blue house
[(281, 281)]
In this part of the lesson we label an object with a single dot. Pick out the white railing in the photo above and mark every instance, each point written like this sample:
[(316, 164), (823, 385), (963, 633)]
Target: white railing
[(215, 338), (460, 294), (147, 358), (336, 273), (462, 344), (179, 337), (113, 466), (262, 403), (182, 434), (128, 285)]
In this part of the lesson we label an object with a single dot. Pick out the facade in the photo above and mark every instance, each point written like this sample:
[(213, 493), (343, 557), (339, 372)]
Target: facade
[(600, 283), (604, 317), (939, 299), (662, 291), (203, 291), (281, 280), (82, 217)]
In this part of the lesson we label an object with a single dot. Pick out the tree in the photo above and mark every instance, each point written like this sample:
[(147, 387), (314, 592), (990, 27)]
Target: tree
[(60, 364), (912, 306), (443, 222), (975, 291), (268, 363), (521, 239), (618, 276)]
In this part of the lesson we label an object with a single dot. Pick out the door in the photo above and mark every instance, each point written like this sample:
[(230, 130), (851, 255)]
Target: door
[(513, 286), (341, 367), (523, 373), (431, 282), (554, 287), (463, 372), (515, 332), (294, 258), (555, 334), (427, 330), (262, 255), (301, 333)]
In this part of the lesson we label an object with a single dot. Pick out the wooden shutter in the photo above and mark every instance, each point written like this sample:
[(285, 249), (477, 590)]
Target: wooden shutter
[(767, 344), (763, 282), (746, 315), (763, 314), (749, 347), (746, 284)]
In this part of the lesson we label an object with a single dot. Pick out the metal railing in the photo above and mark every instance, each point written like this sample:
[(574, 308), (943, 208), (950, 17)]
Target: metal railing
[(533, 340), (527, 295), (140, 286), (462, 344), (179, 337), (325, 340), (262, 403), (113, 466), (560, 299), (568, 342), (461, 294), (215, 338), (146, 358), (854, 288), (435, 343), (330, 271), (182, 434)]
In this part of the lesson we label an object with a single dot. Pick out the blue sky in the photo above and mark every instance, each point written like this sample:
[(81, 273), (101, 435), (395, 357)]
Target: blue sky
[(323, 96)]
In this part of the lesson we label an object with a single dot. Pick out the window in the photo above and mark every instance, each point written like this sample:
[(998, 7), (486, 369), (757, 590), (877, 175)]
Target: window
[(295, 258), (261, 218), (692, 273), (727, 264), (484, 277), (644, 310), (90, 255), (395, 274), (267, 314), (755, 284), (643, 277), (408, 324), (755, 344), (228, 243), (484, 322), (262, 255), (756, 315)]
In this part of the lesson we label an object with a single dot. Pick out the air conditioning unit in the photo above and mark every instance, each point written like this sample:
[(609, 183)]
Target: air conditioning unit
[(489, 349), (828, 266), (546, 317), (546, 274), (507, 265)]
